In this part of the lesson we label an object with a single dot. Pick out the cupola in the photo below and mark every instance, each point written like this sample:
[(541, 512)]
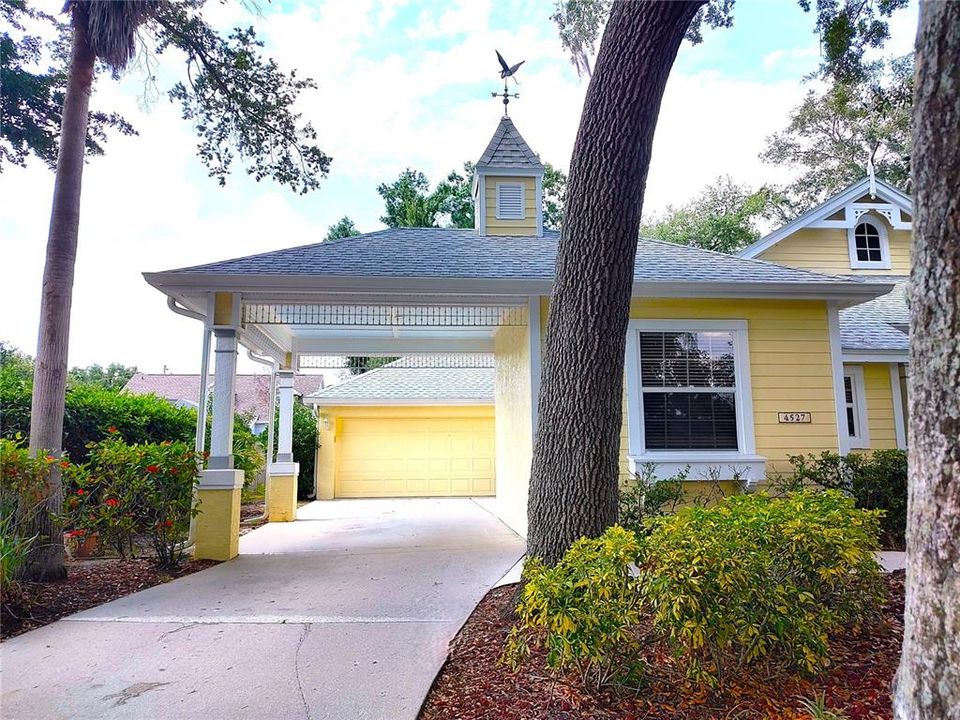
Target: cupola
[(508, 186)]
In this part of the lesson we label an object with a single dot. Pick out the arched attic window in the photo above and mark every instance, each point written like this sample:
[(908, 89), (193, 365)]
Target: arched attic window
[(869, 246)]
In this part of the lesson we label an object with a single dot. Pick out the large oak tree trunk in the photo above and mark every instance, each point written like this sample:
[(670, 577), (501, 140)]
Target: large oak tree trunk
[(928, 681), (50, 371), (573, 483)]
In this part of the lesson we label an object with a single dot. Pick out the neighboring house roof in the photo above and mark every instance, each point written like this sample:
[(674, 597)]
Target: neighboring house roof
[(252, 395), (414, 380), (458, 254), (884, 190), (508, 149), (880, 325)]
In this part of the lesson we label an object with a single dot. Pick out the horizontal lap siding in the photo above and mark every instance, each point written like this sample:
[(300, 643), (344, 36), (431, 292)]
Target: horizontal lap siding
[(527, 226), (826, 250), (876, 380), (790, 369)]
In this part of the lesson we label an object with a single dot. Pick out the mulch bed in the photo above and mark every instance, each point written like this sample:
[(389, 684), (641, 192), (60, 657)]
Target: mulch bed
[(473, 685), (88, 583)]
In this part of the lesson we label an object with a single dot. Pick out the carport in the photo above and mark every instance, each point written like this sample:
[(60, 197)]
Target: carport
[(297, 329)]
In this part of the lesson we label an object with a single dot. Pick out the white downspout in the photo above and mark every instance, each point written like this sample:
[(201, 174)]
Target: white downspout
[(200, 437), (270, 431)]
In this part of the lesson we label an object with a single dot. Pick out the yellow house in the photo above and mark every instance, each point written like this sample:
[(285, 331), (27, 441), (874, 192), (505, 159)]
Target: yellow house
[(863, 233), (732, 363)]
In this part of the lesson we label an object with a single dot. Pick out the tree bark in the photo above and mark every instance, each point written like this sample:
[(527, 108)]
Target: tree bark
[(928, 681), (574, 478), (50, 370)]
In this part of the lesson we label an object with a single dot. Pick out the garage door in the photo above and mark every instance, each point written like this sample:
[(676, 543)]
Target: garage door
[(415, 457)]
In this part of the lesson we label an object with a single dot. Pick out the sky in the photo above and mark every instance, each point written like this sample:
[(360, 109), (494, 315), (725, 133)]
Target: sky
[(400, 84)]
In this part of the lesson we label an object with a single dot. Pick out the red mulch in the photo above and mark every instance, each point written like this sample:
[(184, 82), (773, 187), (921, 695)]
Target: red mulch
[(88, 584), (473, 685)]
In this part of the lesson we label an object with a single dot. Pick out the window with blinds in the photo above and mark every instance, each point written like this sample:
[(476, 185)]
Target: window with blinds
[(688, 390), (510, 201)]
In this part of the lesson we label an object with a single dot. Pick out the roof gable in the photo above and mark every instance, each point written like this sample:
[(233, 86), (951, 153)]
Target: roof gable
[(508, 149), (833, 212)]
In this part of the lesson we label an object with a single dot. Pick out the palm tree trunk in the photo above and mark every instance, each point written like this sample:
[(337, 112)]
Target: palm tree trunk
[(573, 483), (928, 681), (50, 371)]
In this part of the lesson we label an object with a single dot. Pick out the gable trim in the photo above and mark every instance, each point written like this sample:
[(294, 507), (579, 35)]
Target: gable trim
[(818, 214)]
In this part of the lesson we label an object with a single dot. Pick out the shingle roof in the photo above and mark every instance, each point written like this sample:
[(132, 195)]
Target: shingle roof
[(407, 380), (508, 149), (252, 394), (875, 325), (460, 253)]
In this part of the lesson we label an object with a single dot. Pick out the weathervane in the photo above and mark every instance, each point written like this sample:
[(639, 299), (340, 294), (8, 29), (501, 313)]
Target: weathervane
[(507, 71)]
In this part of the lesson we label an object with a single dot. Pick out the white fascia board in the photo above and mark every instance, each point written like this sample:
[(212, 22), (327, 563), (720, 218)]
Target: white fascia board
[(481, 170), (875, 356), (396, 402), (391, 346), (825, 209)]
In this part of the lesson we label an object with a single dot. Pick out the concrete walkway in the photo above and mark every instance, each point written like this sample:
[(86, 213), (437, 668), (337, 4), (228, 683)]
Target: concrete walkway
[(345, 614)]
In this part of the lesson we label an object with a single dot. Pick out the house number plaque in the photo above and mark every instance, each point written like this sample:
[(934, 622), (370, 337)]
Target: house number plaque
[(794, 417)]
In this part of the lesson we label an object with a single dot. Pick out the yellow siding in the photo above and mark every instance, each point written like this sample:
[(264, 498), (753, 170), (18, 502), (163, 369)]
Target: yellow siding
[(880, 422), (514, 424), (790, 368), (282, 498), (826, 250), (406, 451), (218, 524), (527, 226)]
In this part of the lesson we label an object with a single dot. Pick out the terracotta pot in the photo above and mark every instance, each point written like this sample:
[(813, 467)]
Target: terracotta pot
[(86, 546)]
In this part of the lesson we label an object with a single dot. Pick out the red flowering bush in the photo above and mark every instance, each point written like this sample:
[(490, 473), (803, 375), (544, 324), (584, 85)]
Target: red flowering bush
[(23, 481), (126, 491)]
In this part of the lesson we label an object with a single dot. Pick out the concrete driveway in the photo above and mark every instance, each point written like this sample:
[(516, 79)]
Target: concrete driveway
[(346, 613)]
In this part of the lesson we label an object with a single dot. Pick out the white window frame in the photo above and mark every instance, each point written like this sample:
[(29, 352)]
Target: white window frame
[(523, 201), (861, 439), (744, 460), (884, 262)]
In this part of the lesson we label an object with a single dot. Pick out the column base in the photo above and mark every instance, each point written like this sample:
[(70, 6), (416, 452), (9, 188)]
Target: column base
[(282, 491), (218, 524)]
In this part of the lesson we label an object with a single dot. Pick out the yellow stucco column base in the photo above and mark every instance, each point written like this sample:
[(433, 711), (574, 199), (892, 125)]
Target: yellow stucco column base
[(218, 524), (282, 492)]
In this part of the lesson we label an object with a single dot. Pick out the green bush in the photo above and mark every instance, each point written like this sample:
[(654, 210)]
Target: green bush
[(756, 577), (583, 611), (646, 497), (126, 490), (304, 445), (876, 481), (23, 481)]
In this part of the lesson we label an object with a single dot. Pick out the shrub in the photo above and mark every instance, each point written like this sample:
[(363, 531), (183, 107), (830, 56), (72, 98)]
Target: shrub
[(646, 497), (876, 481), (754, 577), (125, 490), (582, 611), (304, 445), (23, 481)]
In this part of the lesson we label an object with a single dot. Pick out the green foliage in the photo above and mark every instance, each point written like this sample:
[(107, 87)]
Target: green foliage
[(583, 611), (31, 98), (125, 490), (646, 497), (23, 481), (408, 201), (816, 708), (456, 193), (876, 481), (833, 132), (342, 228), (554, 196), (754, 577), (721, 218), (112, 377), (359, 364)]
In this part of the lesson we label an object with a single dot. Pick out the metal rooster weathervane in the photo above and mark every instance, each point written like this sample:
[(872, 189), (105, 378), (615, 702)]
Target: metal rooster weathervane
[(507, 71)]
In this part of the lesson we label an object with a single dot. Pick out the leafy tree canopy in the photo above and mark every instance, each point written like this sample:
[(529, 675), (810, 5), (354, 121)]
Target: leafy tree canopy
[(846, 29), (112, 377), (833, 132), (723, 218), (409, 201), (344, 227), (240, 104)]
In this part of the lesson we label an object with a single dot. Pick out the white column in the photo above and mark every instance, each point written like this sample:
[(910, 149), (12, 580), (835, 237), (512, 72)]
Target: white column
[(224, 390), (836, 359), (897, 396), (285, 433)]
